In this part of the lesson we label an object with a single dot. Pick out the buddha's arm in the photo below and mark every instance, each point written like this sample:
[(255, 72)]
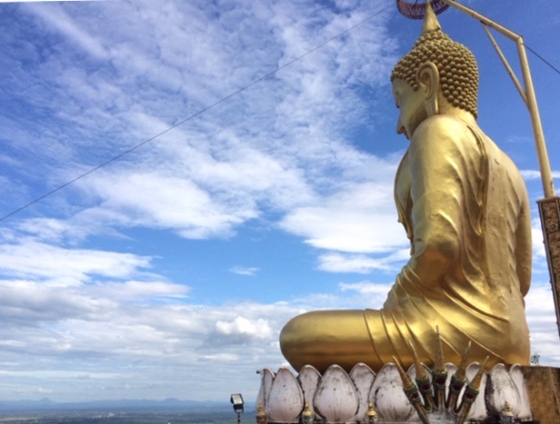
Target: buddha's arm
[(439, 174)]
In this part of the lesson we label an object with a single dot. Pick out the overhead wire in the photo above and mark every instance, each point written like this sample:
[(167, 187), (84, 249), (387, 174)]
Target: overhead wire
[(543, 59), (213, 105), (185, 120)]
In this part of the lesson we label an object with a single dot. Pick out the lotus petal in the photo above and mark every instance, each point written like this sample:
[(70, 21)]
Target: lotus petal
[(309, 379), (388, 396), (525, 406), (267, 376), (337, 398), (451, 370), (285, 401), (502, 390), (363, 377)]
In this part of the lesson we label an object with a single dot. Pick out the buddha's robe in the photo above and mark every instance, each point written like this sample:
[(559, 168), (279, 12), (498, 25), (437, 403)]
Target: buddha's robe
[(464, 207)]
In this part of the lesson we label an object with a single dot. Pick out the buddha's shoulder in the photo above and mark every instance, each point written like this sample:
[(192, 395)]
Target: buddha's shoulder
[(443, 132), (443, 135)]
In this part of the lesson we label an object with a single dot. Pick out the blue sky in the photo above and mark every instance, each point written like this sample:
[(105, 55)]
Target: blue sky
[(170, 272)]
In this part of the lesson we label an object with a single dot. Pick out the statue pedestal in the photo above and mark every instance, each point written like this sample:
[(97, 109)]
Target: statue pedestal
[(543, 388), (529, 394)]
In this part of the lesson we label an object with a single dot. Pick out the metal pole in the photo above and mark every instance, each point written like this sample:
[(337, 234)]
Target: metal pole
[(549, 208), (546, 174), (544, 164)]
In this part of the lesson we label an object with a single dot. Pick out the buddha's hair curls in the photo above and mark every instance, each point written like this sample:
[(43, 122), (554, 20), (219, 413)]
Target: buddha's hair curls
[(456, 64)]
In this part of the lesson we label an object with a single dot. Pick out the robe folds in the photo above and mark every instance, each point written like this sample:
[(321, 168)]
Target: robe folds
[(464, 206)]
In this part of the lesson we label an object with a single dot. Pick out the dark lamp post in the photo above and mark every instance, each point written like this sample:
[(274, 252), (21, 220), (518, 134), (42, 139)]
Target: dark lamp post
[(237, 401)]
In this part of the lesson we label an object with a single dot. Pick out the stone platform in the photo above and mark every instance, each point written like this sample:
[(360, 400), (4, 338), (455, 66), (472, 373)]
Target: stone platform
[(543, 388), (531, 394)]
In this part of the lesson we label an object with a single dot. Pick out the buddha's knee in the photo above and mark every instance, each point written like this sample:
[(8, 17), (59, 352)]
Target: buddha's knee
[(323, 338), (324, 327), (298, 330)]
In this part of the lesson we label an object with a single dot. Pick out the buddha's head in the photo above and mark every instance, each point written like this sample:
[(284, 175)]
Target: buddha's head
[(448, 65)]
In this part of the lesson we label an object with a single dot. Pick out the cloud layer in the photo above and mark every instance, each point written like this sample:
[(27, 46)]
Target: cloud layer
[(109, 287)]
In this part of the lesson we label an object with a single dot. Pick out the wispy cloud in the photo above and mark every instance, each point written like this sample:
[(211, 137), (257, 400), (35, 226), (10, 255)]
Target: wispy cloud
[(114, 277), (531, 174), (35, 1), (363, 264), (240, 270), (61, 266), (60, 21)]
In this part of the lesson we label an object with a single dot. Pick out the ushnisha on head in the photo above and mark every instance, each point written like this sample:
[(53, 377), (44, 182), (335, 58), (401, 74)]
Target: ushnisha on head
[(456, 65)]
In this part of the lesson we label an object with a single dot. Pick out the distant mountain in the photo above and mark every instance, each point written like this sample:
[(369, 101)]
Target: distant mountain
[(169, 404)]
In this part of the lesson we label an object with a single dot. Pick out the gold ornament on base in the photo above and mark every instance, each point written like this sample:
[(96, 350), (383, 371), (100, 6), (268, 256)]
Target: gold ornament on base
[(428, 396)]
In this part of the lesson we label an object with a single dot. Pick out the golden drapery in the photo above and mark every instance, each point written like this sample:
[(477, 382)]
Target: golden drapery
[(464, 206)]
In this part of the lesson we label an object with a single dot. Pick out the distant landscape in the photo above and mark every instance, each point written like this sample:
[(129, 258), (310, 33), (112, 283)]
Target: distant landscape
[(169, 411)]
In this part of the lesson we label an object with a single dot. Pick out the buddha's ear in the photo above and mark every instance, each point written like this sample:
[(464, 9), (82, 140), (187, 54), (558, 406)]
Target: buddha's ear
[(428, 79)]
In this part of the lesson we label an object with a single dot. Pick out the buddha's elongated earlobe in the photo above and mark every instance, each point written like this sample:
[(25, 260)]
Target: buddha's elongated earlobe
[(432, 104), (428, 79)]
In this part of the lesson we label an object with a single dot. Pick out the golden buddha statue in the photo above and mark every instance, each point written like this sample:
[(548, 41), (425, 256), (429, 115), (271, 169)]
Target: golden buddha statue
[(464, 206)]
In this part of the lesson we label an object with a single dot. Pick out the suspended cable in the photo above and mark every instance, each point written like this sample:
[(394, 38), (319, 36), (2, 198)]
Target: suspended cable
[(200, 112), (543, 59), (222, 100)]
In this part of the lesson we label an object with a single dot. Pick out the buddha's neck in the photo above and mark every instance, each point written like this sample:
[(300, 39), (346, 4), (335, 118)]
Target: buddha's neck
[(447, 109)]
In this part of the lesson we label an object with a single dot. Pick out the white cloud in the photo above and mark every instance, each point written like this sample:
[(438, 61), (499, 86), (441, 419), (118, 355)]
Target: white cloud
[(216, 172), (248, 271), (157, 201), (372, 295), (365, 288), (50, 229), (75, 327), (65, 267), (360, 218), (100, 78), (362, 264), (240, 326), (60, 21), (531, 174), (541, 316), (137, 290), (537, 239), (35, 1), (222, 357)]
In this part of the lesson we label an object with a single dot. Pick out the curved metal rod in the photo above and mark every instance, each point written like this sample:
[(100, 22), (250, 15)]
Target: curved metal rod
[(549, 208), (542, 153)]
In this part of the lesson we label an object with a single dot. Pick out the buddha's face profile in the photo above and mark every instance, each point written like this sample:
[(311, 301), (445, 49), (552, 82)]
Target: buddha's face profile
[(410, 103)]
